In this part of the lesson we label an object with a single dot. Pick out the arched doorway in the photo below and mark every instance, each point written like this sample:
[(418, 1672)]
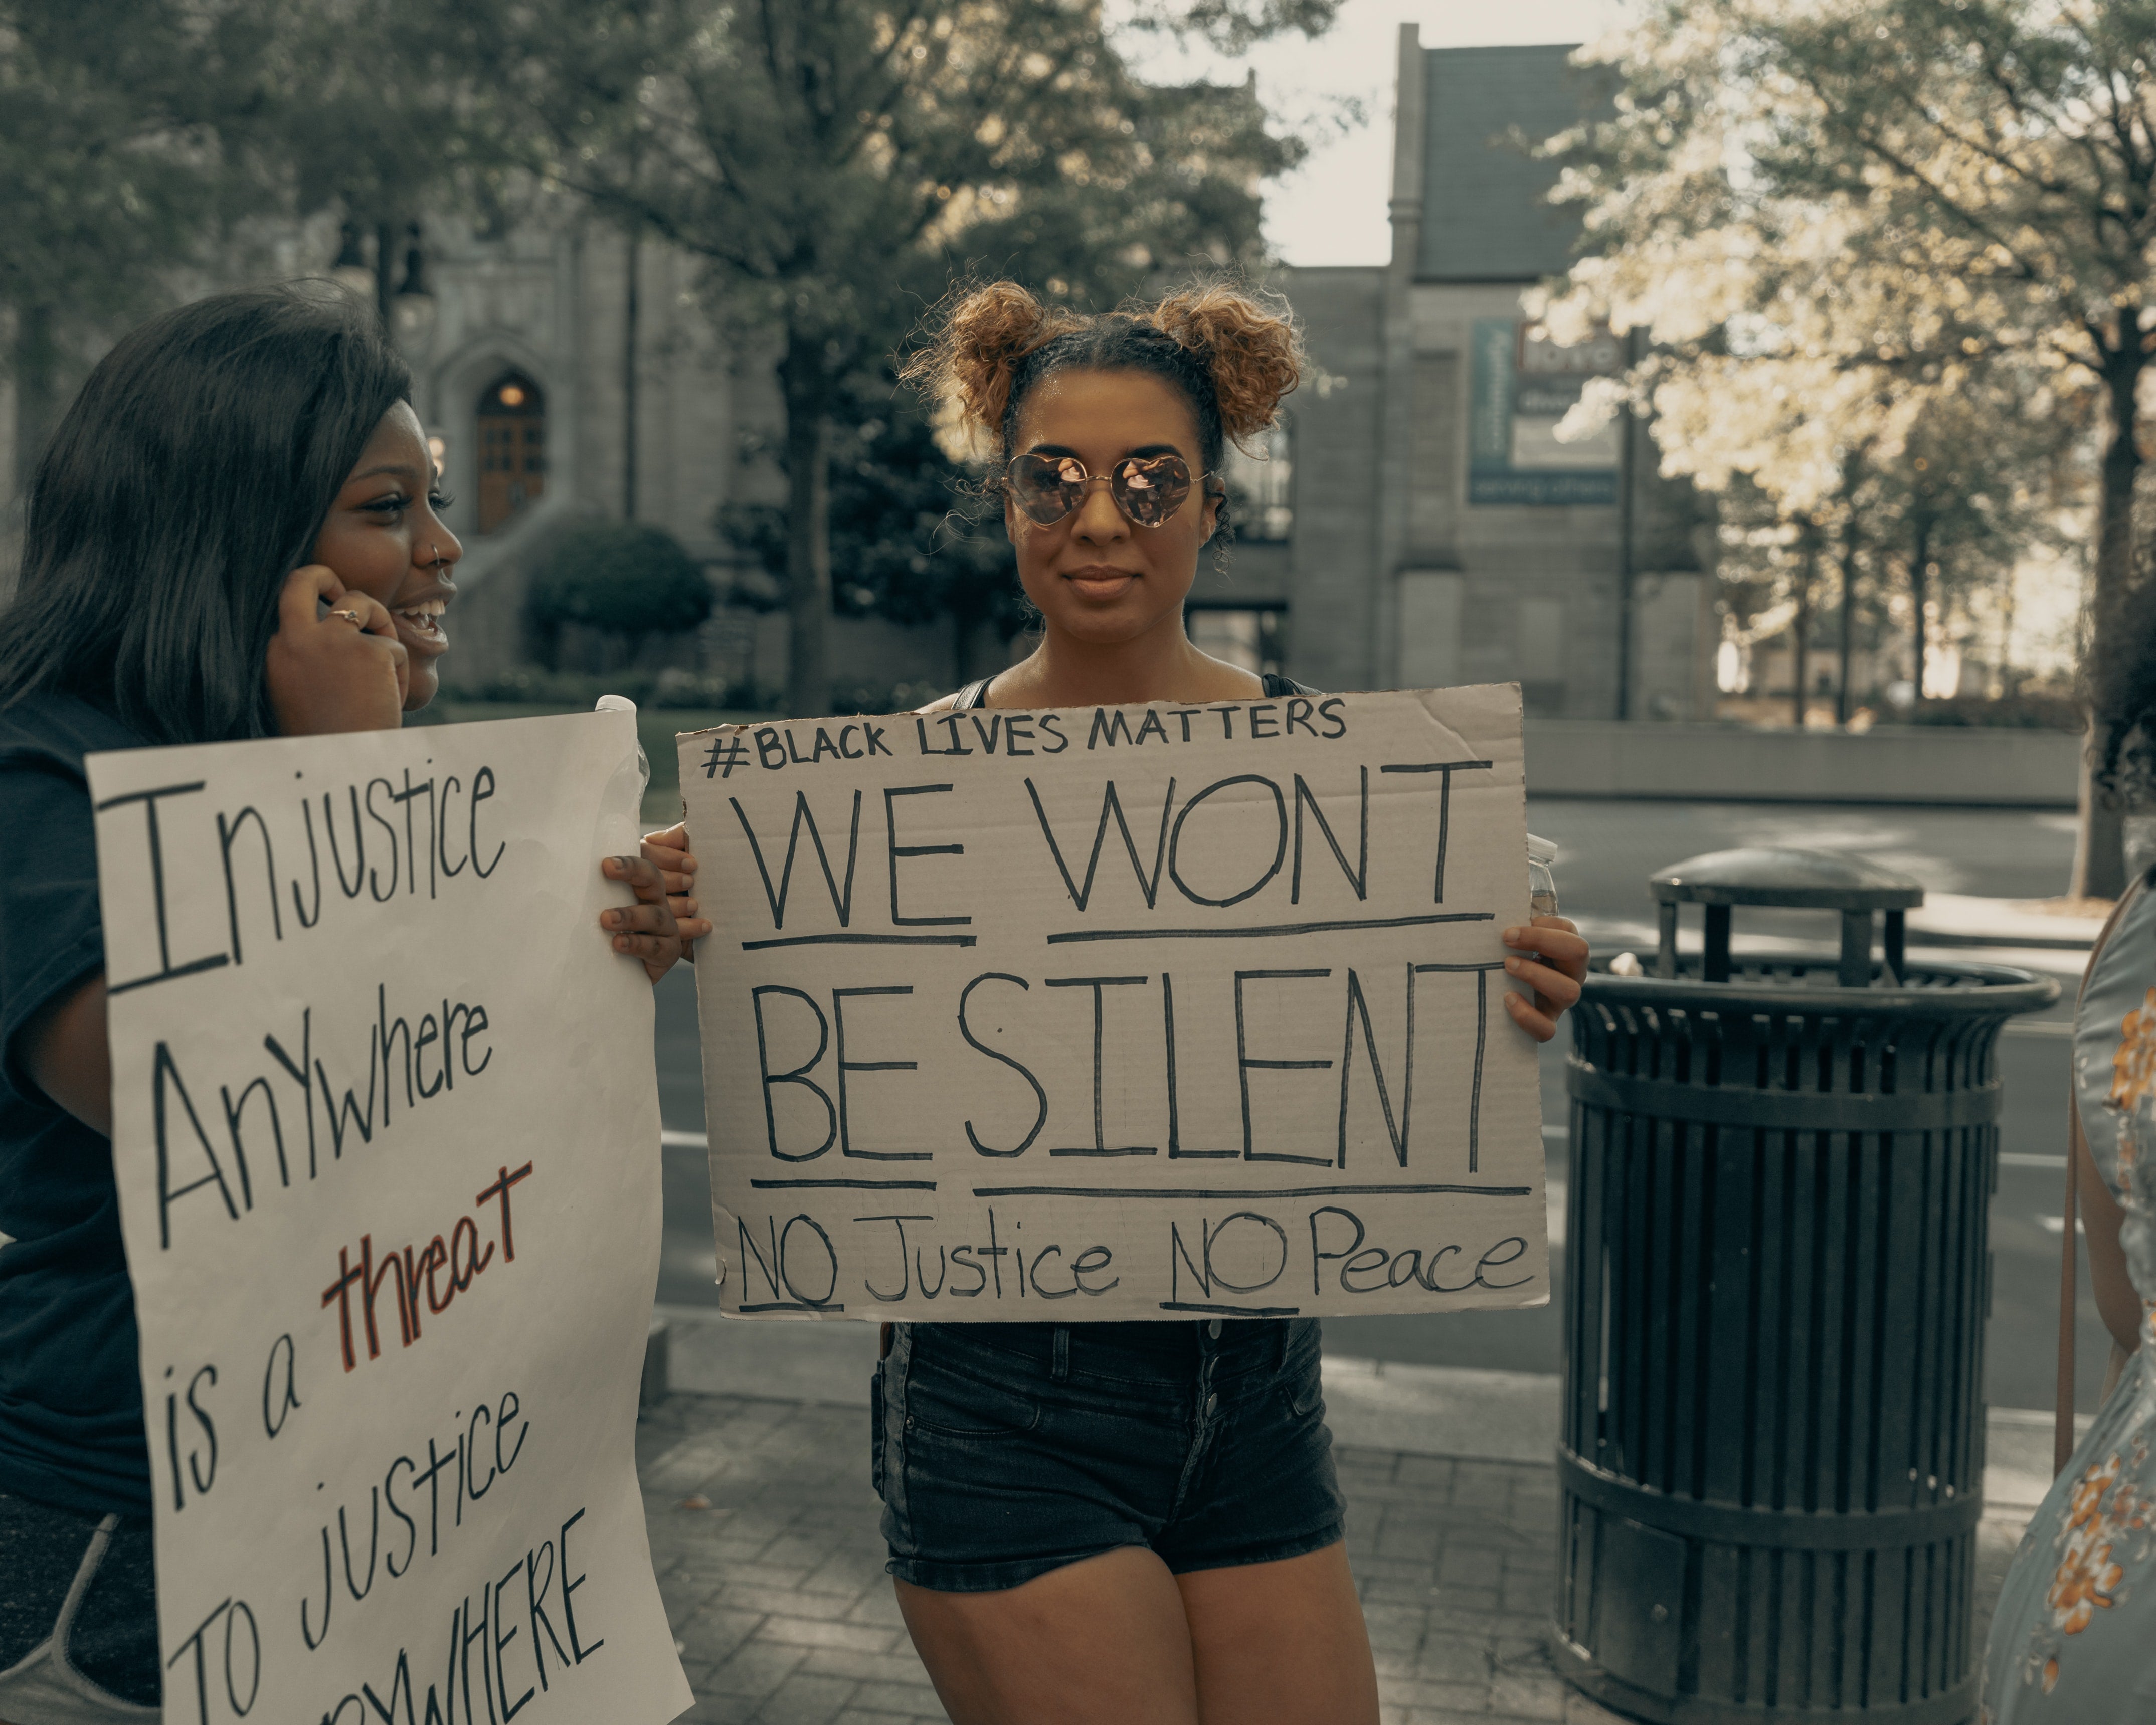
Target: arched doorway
[(512, 449)]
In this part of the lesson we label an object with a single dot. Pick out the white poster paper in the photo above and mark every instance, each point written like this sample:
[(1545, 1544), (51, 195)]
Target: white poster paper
[(1133, 1012), (385, 1131)]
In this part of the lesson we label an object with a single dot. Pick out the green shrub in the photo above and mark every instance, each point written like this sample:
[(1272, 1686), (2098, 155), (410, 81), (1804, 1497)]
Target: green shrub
[(627, 579)]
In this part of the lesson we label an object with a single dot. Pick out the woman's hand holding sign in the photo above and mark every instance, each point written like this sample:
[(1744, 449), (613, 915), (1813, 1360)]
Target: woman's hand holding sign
[(1555, 974), (660, 925)]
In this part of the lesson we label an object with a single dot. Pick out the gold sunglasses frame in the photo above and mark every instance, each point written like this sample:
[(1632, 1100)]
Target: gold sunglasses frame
[(1194, 482)]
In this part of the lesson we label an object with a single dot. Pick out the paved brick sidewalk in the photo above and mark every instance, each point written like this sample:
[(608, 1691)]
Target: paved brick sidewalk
[(763, 1531)]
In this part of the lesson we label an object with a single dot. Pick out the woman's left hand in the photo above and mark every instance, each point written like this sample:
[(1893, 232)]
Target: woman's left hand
[(658, 928), (1554, 969)]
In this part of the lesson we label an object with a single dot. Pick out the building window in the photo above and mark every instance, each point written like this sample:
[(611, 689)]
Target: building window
[(512, 449), (1255, 638), (1260, 486)]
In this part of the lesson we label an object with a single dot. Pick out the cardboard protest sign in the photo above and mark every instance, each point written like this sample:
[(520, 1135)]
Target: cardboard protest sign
[(1119, 1012), (385, 1131)]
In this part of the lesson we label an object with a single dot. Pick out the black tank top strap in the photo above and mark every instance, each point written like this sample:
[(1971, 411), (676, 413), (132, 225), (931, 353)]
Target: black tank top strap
[(972, 695), (1276, 686)]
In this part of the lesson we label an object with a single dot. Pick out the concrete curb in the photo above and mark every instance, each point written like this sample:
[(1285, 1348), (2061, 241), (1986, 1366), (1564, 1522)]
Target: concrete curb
[(1952, 919)]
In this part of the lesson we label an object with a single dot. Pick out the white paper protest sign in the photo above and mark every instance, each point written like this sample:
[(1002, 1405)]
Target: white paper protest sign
[(385, 1132), (1119, 1012)]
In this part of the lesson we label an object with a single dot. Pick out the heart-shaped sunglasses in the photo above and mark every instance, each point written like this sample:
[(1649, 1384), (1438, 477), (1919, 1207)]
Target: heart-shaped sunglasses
[(1148, 489)]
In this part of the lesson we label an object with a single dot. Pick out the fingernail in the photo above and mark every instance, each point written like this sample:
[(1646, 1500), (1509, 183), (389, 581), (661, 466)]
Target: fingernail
[(621, 943), (1513, 934), (1512, 965)]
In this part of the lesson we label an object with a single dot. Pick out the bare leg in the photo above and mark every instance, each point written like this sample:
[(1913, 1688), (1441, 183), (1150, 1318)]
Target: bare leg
[(1101, 1642), (1283, 1643)]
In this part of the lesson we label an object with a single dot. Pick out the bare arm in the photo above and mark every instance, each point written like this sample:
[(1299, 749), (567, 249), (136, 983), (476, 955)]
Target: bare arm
[(324, 676), (67, 1056), (2116, 1302)]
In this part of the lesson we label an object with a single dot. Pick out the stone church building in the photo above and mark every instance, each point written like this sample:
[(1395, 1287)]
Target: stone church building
[(1441, 533)]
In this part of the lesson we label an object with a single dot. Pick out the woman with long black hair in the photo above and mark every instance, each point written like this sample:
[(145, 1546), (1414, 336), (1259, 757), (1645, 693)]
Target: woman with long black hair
[(1128, 1524), (233, 534)]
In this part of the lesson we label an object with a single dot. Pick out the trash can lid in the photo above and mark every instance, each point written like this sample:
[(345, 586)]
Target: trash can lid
[(1773, 875)]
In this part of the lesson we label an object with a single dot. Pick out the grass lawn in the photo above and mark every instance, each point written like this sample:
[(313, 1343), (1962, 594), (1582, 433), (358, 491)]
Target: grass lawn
[(655, 728)]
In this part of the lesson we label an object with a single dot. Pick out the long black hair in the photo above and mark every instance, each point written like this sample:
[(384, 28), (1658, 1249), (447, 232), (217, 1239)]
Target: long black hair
[(191, 475)]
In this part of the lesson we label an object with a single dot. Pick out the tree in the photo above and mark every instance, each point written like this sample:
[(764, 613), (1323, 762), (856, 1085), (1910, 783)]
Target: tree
[(1969, 495), (1833, 215), (907, 540), (836, 163), (627, 579), (134, 135), (109, 173), (369, 108)]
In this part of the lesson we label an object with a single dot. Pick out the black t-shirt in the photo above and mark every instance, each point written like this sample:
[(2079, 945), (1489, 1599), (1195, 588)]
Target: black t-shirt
[(70, 1398)]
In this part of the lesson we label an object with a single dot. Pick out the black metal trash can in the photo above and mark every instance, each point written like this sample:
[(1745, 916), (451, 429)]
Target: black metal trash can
[(1771, 1461)]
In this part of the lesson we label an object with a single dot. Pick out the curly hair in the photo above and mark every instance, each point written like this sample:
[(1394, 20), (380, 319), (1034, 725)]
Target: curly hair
[(1230, 354)]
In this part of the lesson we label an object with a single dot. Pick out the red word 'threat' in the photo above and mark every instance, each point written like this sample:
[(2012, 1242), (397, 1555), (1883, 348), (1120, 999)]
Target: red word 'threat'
[(413, 1272)]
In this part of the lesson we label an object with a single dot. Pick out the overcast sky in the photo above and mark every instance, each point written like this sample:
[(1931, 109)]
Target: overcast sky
[(1332, 210)]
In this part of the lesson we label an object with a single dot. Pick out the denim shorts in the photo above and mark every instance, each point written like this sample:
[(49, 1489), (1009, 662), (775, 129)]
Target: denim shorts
[(1001, 1451), (78, 1618)]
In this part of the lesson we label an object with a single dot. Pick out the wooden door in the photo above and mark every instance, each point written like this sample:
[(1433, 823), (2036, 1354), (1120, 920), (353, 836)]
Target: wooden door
[(512, 449)]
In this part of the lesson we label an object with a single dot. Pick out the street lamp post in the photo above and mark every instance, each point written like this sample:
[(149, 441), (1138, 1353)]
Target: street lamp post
[(413, 309), (351, 270)]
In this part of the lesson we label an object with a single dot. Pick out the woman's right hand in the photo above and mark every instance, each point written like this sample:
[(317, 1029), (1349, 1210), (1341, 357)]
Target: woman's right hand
[(326, 674)]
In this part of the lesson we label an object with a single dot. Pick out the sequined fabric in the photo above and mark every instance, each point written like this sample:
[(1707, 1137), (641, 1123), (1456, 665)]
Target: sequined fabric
[(2074, 1638)]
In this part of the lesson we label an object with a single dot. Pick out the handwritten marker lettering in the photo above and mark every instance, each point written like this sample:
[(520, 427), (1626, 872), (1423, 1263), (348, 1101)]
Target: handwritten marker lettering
[(359, 995), (440, 1270), (1162, 1010)]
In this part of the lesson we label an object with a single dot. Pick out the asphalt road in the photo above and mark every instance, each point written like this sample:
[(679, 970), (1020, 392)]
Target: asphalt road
[(1607, 851)]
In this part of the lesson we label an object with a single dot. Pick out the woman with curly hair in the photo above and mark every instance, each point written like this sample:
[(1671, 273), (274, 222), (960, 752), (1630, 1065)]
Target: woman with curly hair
[(1135, 1522)]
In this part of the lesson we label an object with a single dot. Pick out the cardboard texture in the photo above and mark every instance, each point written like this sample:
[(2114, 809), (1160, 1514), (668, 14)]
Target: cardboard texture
[(385, 1131), (1139, 1012)]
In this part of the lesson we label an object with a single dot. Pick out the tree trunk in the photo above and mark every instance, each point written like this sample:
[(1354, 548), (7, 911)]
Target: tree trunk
[(1627, 531), (36, 367), (1920, 594), (2100, 845), (1800, 630), (385, 271), (2010, 681), (1846, 646), (628, 404), (807, 528)]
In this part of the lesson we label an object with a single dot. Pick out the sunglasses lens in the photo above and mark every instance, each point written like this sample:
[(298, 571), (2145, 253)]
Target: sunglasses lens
[(1047, 487), (1151, 488)]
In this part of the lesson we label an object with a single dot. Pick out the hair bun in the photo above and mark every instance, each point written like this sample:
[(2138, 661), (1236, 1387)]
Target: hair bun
[(1254, 351), (968, 366)]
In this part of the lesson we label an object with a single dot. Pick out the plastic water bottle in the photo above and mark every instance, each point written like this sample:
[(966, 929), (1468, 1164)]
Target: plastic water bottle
[(1542, 883)]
